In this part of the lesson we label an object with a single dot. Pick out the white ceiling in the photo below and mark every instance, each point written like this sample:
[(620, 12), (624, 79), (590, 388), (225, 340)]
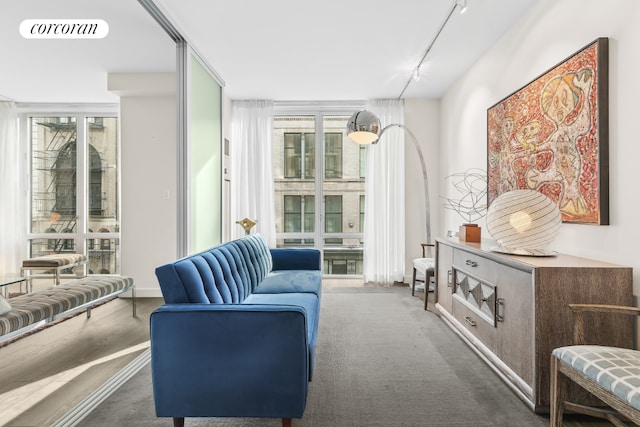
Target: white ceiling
[(277, 49)]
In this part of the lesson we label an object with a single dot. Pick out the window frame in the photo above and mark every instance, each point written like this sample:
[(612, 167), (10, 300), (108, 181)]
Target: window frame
[(81, 240)]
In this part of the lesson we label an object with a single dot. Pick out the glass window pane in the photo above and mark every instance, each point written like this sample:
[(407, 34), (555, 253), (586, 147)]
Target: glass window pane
[(104, 255), (340, 185), (333, 217), (53, 142), (102, 174), (75, 181), (333, 155), (293, 170), (309, 214), (292, 155), (292, 214), (309, 155)]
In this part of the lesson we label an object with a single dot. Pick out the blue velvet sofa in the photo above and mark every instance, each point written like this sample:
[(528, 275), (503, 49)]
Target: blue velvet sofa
[(237, 333)]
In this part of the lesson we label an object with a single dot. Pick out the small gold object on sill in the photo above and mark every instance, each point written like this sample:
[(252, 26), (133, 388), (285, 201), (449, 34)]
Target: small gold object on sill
[(247, 224)]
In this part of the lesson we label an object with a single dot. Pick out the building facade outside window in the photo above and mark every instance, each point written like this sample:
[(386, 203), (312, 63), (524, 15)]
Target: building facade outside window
[(319, 210), (74, 187)]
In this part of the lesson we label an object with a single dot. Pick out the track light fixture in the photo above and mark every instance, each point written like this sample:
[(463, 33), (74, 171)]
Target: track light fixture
[(416, 73), (462, 4)]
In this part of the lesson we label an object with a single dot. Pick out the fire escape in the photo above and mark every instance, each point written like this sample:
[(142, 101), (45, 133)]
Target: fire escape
[(55, 185)]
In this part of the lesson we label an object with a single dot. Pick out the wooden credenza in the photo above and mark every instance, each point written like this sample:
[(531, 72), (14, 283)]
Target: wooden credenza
[(512, 310)]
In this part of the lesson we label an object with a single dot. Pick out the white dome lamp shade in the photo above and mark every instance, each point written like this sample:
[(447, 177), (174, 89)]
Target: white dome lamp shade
[(523, 222)]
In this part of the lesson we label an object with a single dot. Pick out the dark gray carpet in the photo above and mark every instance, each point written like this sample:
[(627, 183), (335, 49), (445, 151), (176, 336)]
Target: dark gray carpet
[(382, 361)]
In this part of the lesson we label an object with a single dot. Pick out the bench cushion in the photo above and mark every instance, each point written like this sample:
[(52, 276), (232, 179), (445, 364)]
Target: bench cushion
[(41, 305), (54, 260), (615, 369)]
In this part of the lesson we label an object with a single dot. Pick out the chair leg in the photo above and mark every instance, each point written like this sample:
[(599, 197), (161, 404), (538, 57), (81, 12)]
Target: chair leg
[(178, 422), (427, 283), (286, 422), (413, 284), (557, 397)]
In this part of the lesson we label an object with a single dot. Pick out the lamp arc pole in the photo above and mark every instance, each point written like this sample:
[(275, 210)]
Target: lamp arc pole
[(424, 172)]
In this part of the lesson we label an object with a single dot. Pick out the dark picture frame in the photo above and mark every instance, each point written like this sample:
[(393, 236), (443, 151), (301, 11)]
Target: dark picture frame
[(552, 136)]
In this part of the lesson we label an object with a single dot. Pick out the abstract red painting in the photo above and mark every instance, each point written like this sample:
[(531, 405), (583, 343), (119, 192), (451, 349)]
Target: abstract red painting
[(552, 136)]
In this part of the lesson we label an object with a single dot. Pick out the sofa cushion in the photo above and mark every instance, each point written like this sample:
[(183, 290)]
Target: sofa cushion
[(287, 281)]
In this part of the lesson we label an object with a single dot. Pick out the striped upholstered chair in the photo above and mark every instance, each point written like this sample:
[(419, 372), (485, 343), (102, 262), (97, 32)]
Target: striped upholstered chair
[(611, 374)]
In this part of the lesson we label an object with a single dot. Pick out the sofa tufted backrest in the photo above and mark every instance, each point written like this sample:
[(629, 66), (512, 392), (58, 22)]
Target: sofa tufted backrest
[(224, 274)]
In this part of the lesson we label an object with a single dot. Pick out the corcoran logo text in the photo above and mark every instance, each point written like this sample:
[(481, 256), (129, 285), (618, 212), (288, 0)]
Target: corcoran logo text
[(64, 29)]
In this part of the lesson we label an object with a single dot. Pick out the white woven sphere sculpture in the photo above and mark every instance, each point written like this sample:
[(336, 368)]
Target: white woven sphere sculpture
[(523, 222)]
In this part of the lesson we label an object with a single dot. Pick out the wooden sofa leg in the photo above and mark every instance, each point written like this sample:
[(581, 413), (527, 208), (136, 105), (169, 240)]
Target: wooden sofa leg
[(178, 422), (286, 422)]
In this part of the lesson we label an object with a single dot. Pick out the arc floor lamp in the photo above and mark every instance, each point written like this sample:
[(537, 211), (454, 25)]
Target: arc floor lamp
[(364, 128)]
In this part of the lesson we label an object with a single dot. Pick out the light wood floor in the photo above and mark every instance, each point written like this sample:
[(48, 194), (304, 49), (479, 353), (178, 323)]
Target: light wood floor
[(44, 375)]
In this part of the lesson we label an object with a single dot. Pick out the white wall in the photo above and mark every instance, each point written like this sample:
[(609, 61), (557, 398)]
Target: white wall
[(551, 31), (149, 175), (422, 117)]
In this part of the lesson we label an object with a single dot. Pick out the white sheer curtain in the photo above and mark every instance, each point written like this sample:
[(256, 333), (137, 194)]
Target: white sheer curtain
[(12, 207), (251, 168), (384, 198)]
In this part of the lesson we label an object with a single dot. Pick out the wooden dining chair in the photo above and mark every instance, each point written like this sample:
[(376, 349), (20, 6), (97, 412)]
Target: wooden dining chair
[(423, 271), (611, 374)]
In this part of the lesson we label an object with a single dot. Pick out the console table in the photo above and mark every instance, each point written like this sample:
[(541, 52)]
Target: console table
[(512, 310)]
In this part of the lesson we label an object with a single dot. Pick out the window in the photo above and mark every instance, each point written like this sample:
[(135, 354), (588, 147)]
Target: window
[(294, 219), (74, 186), (295, 163), (333, 155), (316, 209), (333, 217)]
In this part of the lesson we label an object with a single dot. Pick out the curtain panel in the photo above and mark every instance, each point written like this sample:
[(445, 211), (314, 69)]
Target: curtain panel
[(384, 227), (252, 169), (12, 208)]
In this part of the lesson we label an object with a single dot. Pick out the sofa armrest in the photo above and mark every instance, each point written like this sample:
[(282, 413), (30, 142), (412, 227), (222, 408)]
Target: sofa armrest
[(229, 360), (295, 259)]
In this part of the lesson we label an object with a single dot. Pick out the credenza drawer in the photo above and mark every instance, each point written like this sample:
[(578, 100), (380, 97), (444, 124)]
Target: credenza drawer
[(474, 323), (478, 295), (478, 266)]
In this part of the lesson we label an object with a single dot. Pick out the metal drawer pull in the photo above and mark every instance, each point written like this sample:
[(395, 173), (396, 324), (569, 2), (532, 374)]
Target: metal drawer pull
[(471, 263), (449, 278), (469, 321), (500, 309)]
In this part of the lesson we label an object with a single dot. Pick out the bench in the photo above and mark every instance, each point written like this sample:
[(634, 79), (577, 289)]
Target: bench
[(56, 262), (35, 309)]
